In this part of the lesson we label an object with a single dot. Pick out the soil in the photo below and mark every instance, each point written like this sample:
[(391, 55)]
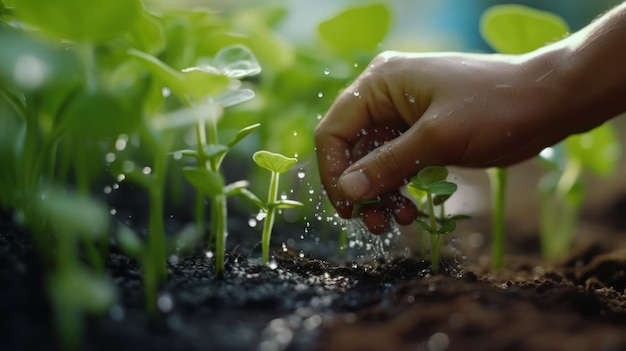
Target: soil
[(309, 300)]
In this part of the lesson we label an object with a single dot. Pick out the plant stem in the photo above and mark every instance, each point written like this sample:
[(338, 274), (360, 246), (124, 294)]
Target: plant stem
[(498, 180), (269, 218), (201, 162), (156, 237), (435, 246), (219, 218)]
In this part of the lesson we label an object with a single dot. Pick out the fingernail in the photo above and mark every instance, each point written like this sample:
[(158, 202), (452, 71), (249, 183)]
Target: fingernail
[(355, 185)]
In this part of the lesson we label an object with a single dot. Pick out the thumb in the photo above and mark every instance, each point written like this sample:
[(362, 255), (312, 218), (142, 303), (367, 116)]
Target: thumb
[(387, 167)]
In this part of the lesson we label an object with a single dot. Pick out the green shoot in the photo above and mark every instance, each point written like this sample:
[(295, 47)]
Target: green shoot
[(276, 164), (432, 182), (498, 181), (561, 191)]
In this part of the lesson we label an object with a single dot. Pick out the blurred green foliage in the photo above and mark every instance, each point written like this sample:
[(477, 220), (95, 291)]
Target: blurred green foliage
[(108, 91)]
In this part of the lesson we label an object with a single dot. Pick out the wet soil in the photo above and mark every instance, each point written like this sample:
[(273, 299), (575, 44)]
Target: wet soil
[(310, 302)]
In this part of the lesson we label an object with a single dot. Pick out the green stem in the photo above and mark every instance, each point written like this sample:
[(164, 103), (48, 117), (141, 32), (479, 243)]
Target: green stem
[(270, 217), (156, 237), (435, 246), (201, 162), (498, 180), (219, 219)]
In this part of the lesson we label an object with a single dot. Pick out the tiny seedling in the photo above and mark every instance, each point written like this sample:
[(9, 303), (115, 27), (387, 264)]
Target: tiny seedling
[(276, 164), (431, 188)]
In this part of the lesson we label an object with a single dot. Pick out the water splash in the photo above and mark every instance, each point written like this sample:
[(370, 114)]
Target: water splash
[(369, 246)]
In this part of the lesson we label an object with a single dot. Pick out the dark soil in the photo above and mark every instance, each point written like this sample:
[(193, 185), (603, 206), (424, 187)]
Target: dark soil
[(303, 303)]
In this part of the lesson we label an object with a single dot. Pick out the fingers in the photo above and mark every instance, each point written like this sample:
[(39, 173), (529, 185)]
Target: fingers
[(377, 216), (335, 138)]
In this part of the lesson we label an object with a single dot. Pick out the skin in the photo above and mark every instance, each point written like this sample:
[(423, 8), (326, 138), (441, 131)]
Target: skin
[(407, 111)]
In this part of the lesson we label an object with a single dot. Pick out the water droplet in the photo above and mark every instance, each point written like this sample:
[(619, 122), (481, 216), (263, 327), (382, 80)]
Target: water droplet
[(146, 170), (252, 222), (356, 65), (318, 116), (320, 94), (272, 263), (113, 211), (283, 196), (120, 143), (410, 97), (301, 254), (110, 157), (165, 303), (356, 93), (209, 254), (284, 247), (326, 71), (165, 92), (29, 72), (295, 133), (120, 177), (301, 173), (107, 189)]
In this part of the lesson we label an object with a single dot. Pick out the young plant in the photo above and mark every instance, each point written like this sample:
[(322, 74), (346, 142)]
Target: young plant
[(561, 191), (276, 164), (206, 91), (431, 187)]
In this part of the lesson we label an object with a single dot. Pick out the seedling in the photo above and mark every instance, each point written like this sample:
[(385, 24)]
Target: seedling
[(276, 164), (562, 189), (430, 187), (206, 91)]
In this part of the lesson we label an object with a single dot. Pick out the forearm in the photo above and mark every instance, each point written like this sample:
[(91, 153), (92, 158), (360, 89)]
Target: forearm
[(593, 62)]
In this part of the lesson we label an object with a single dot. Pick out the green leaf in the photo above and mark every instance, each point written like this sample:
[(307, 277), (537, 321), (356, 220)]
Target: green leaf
[(213, 150), (98, 114), (442, 189), (598, 150), (147, 34), (237, 61), (251, 197), (32, 64), (517, 29), (205, 181), (79, 288), (273, 162), (447, 227), (242, 133), (130, 242), (357, 29), (423, 225), (163, 73), (432, 179), (460, 217), (285, 203), (200, 83), (73, 214), (186, 153), (80, 20)]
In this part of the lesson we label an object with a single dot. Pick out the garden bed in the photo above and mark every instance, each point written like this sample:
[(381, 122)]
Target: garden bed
[(302, 303)]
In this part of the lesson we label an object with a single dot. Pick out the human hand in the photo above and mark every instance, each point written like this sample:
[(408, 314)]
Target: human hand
[(409, 111)]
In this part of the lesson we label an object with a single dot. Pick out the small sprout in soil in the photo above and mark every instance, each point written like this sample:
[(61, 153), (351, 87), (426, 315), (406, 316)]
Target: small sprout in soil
[(430, 187), (276, 164)]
